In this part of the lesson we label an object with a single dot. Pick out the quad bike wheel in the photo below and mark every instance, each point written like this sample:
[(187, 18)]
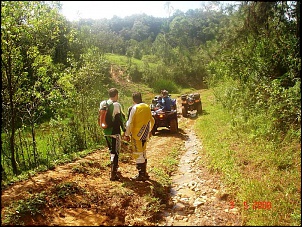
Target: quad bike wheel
[(173, 126), (184, 111)]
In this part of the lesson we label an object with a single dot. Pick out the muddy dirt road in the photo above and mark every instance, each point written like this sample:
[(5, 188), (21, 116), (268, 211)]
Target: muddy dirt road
[(81, 194), (198, 196)]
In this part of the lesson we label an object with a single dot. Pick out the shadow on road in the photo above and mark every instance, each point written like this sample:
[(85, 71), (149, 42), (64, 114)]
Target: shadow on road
[(148, 187), (164, 132)]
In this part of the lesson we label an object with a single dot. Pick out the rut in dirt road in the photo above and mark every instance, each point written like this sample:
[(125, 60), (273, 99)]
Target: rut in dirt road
[(197, 196)]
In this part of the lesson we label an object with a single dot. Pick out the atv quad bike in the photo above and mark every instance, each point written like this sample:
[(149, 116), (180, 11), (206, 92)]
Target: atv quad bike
[(166, 119), (162, 118), (190, 103)]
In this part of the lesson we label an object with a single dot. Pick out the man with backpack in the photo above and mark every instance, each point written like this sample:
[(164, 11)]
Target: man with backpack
[(115, 122), (138, 131)]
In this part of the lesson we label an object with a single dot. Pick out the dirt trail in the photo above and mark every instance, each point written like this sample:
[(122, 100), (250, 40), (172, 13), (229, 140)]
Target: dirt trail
[(198, 196), (81, 194)]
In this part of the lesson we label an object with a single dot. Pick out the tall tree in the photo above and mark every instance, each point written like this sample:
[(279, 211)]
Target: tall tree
[(169, 8), (30, 32)]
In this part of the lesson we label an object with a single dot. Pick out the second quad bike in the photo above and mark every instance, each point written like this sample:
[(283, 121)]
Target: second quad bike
[(162, 118), (190, 103)]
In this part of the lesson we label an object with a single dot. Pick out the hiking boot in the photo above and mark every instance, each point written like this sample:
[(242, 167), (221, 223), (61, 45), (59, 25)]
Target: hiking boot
[(144, 170), (140, 177), (147, 176), (114, 173), (115, 178)]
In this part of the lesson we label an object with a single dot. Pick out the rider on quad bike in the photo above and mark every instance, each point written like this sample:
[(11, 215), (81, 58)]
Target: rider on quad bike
[(166, 102), (164, 111)]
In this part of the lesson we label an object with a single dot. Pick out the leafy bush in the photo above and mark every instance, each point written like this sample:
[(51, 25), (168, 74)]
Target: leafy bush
[(165, 85), (135, 74)]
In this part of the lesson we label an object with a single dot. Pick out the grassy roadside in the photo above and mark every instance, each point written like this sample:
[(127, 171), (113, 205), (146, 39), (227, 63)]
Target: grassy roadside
[(264, 177)]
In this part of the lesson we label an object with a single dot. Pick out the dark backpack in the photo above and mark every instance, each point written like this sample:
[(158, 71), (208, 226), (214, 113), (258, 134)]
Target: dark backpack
[(105, 116)]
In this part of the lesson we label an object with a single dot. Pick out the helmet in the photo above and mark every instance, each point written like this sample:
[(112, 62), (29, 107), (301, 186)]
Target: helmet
[(164, 92)]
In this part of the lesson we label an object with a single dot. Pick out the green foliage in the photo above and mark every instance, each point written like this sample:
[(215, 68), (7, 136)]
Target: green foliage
[(33, 205), (167, 165), (164, 84), (54, 74), (153, 205), (254, 167), (150, 59), (256, 80), (162, 177), (135, 75), (65, 189), (53, 149), (30, 34)]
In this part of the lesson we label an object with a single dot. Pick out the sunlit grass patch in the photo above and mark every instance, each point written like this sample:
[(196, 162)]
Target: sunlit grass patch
[(260, 171), (152, 204), (161, 176)]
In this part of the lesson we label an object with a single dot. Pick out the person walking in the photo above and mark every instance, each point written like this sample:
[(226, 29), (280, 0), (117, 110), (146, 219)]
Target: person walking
[(138, 132), (113, 131)]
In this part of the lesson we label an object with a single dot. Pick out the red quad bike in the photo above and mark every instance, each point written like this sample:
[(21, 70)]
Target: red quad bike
[(162, 118), (190, 103)]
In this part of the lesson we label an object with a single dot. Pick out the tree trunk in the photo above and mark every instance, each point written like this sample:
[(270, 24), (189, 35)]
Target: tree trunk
[(13, 118), (33, 135), (298, 8)]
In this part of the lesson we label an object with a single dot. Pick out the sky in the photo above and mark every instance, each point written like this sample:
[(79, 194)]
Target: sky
[(75, 10)]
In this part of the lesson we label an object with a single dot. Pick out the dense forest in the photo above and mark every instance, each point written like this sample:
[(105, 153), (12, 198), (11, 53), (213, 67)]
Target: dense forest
[(55, 72)]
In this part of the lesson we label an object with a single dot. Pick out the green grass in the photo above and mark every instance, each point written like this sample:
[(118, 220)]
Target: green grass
[(167, 166), (123, 61), (255, 171), (19, 209)]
